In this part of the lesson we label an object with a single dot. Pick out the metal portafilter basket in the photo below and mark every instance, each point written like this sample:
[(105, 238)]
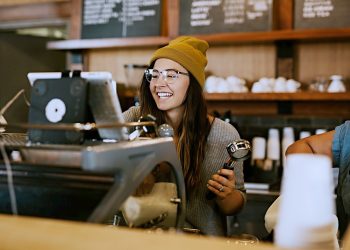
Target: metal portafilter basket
[(238, 150), (165, 130)]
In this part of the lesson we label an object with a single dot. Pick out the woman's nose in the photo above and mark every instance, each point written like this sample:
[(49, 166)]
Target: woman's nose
[(161, 81)]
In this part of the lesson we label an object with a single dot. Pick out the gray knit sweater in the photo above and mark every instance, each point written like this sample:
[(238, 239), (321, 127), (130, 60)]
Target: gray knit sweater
[(200, 213)]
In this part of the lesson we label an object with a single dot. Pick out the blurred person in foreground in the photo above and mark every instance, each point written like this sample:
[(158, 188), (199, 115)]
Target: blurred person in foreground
[(336, 145)]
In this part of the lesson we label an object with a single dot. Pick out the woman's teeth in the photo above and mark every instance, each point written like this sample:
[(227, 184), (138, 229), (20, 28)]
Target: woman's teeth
[(164, 94)]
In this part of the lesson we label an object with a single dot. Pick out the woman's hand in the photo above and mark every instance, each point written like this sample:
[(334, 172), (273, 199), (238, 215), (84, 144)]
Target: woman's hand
[(222, 183)]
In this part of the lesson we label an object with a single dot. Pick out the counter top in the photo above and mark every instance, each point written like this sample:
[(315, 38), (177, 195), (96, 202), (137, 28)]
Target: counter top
[(39, 234)]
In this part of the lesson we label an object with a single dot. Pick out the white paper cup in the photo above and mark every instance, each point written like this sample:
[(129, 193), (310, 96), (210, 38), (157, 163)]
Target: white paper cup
[(304, 134), (258, 148), (273, 145)]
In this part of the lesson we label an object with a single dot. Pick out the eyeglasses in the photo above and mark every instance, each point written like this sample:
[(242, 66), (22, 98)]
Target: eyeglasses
[(169, 75)]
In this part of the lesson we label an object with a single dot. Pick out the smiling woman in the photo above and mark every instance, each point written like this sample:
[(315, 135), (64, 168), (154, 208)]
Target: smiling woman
[(172, 91)]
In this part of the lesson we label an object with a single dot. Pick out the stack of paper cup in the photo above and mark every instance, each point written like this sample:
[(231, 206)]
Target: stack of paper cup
[(287, 140), (306, 216), (258, 151), (320, 131), (273, 150), (258, 148), (273, 144), (304, 134)]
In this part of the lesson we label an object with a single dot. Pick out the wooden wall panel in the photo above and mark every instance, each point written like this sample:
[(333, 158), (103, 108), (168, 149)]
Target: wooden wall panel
[(113, 60), (15, 2), (172, 17), (42, 11), (283, 14), (250, 62), (75, 19), (322, 59)]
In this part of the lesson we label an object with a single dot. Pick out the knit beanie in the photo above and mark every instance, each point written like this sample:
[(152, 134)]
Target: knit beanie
[(188, 51)]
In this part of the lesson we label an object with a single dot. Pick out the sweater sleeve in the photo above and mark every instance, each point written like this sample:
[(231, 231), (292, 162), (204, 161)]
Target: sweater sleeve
[(132, 115)]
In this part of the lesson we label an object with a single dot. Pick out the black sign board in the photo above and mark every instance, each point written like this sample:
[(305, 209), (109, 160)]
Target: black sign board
[(120, 18), (311, 14), (218, 16)]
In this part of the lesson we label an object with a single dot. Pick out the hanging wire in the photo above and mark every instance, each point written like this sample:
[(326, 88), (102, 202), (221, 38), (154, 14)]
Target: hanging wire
[(10, 185), (12, 100)]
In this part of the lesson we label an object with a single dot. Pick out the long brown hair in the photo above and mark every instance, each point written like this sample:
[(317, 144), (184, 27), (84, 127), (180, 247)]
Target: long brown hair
[(193, 129)]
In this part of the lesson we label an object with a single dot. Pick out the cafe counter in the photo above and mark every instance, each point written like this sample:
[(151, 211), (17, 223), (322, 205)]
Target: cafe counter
[(21, 232)]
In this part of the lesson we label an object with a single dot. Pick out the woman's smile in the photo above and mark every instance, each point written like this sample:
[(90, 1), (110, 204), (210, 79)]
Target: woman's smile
[(164, 95)]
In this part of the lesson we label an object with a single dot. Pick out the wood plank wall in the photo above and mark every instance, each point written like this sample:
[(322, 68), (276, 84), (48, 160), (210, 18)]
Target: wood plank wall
[(27, 11), (18, 2), (248, 61), (113, 60), (322, 58)]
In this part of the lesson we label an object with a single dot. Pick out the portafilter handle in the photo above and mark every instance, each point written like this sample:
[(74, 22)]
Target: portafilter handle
[(238, 150)]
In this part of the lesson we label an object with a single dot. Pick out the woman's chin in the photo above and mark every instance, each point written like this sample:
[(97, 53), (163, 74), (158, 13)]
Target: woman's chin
[(162, 107)]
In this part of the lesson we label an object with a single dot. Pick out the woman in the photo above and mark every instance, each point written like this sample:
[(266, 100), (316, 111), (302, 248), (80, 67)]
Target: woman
[(171, 90)]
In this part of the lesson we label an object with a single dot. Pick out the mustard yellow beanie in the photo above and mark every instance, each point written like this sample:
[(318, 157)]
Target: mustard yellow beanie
[(188, 51)]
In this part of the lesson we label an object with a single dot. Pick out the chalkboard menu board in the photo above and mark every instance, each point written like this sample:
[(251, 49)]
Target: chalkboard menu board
[(120, 18), (218, 16), (311, 14)]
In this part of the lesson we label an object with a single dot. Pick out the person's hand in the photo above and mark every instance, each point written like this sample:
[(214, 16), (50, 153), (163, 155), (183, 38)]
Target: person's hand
[(222, 183)]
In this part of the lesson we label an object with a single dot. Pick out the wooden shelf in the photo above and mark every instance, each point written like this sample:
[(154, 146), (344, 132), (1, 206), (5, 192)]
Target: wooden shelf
[(309, 34), (211, 38), (302, 104), (300, 96), (107, 43)]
